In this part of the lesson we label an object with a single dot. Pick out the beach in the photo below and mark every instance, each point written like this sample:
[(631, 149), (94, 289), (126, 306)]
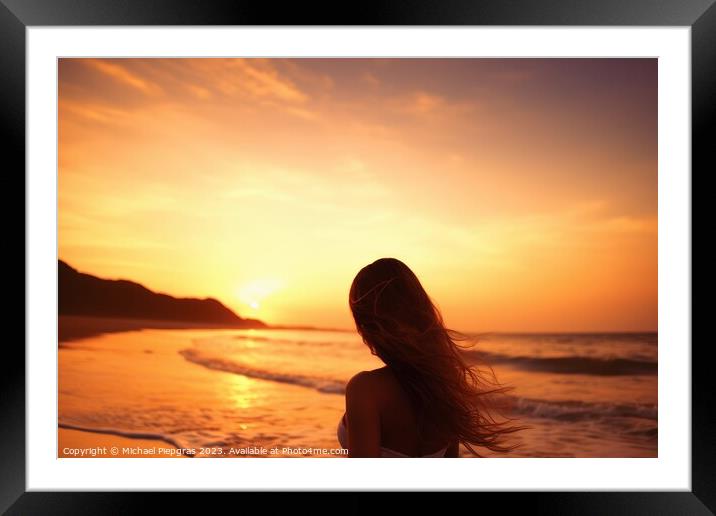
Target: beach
[(75, 327), (226, 392), (82, 444)]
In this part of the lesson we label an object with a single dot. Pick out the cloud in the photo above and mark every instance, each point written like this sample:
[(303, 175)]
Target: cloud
[(418, 103), (97, 88), (123, 75), (371, 80), (306, 114), (626, 224), (309, 79), (264, 80), (199, 91), (426, 104)]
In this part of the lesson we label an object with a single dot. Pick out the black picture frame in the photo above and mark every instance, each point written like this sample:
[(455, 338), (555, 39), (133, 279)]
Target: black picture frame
[(17, 15)]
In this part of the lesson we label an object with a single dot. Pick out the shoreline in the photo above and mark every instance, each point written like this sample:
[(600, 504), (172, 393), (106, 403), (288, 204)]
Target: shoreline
[(79, 442), (76, 327)]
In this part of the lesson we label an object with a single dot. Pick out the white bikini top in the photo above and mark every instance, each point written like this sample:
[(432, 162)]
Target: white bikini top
[(384, 452)]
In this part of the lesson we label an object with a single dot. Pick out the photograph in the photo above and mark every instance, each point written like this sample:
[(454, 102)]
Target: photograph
[(357, 257)]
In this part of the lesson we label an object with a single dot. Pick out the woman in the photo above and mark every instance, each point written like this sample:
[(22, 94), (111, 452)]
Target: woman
[(426, 401)]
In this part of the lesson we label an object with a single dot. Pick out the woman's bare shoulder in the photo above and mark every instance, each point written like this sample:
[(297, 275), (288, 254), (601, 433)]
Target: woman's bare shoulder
[(367, 382), (379, 385)]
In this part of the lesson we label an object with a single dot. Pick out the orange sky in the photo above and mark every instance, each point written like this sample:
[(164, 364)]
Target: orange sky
[(522, 192)]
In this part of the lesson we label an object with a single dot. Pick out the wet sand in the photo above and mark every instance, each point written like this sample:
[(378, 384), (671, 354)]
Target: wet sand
[(82, 444), (76, 327)]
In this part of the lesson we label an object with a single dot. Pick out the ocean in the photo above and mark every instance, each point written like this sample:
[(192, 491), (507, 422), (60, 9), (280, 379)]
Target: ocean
[(214, 391)]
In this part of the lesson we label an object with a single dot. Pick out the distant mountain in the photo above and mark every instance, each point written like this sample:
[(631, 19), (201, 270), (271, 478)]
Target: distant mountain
[(84, 294)]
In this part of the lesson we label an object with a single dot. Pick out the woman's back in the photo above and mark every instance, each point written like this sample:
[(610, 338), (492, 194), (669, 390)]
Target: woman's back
[(398, 425)]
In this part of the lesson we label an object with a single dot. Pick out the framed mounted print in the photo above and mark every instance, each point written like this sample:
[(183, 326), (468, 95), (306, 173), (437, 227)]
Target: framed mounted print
[(270, 254)]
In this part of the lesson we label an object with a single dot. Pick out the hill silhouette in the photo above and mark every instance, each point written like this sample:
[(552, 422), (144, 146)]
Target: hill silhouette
[(87, 295)]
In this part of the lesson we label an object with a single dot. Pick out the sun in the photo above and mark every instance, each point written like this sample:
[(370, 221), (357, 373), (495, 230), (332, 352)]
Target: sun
[(254, 293)]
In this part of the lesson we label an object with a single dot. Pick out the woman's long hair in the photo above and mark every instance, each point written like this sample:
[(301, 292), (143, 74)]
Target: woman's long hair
[(403, 327)]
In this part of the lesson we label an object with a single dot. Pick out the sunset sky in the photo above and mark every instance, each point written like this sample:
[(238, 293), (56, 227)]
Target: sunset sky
[(522, 192)]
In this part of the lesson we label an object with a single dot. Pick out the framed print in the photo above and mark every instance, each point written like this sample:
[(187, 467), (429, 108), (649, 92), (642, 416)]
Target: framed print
[(269, 250)]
